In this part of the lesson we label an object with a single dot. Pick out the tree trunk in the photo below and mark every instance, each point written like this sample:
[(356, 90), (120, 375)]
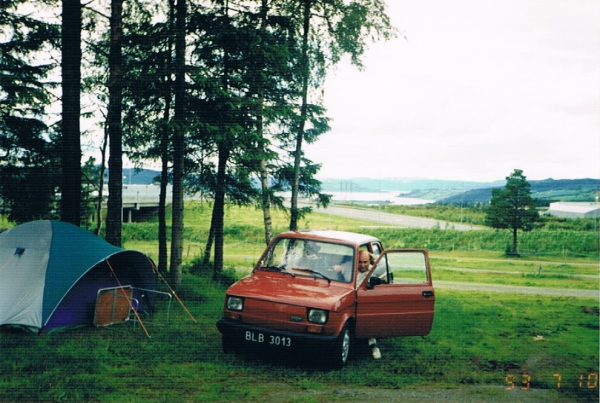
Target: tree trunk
[(223, 151), (71, 105), (178, 147), (294, 213), (163, 253), (101, 185), (210, 240), (266, 202), (219, 209), (264, 174), (115, 131)]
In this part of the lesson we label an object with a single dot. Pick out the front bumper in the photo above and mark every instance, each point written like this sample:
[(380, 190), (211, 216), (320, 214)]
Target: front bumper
[(244, 333)]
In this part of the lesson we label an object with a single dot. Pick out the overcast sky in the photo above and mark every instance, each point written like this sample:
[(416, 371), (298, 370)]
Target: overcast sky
[(474, 89)]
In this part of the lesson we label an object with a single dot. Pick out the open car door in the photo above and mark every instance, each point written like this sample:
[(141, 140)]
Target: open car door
[(397, 297)]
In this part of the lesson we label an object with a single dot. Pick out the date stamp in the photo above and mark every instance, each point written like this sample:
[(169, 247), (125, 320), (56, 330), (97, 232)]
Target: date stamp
[(589, 381)]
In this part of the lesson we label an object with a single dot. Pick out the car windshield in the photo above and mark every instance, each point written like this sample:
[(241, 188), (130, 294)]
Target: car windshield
[(325, 260)]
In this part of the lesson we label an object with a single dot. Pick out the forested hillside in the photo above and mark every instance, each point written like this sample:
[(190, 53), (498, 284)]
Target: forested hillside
[(545, 191)]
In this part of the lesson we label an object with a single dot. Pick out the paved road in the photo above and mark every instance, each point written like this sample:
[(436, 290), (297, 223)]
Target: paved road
[(514, 289), (516, 273), (389, 219)]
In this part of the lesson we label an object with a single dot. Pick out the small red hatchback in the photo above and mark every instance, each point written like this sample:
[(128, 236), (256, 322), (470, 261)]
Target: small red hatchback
[(311, 289)]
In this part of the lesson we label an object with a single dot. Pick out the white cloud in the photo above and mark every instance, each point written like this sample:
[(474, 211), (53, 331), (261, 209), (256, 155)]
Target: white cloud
[(477, 90)]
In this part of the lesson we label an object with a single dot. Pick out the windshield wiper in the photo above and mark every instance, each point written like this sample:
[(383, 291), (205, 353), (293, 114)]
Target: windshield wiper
[(316, 273), (274, 268), (278, 268)]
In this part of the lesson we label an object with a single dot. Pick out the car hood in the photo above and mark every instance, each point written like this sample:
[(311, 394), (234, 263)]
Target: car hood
[(293, 290)]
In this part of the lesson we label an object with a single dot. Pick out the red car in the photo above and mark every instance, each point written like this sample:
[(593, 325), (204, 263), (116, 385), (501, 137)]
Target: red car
[(307, 291)]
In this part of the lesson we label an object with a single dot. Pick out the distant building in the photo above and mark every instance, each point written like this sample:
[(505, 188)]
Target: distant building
[(574, 209)]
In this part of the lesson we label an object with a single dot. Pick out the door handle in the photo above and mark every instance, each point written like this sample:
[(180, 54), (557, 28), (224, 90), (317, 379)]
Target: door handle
[(427, 294)]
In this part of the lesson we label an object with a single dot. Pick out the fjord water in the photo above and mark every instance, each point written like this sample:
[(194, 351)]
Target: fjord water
[(393, 197)]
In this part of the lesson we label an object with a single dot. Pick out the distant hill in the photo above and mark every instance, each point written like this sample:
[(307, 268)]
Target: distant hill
[(403, 185), (440, 187), (545, 191), (133, 176), (465, 192), (443, 191)]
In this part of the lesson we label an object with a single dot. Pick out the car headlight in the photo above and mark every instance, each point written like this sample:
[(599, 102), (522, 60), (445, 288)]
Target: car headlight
[(317, 316), (235, 303)]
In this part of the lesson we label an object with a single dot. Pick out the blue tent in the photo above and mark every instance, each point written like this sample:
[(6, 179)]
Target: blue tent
[(51, 272)]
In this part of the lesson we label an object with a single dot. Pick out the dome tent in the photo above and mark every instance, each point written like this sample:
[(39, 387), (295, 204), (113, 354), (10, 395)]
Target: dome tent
[(51, 272)]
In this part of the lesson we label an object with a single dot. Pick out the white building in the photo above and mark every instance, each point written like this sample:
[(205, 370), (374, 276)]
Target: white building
[(574, 209)]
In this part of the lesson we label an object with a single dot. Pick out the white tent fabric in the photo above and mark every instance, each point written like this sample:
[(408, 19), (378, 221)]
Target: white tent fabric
[(22, 275)]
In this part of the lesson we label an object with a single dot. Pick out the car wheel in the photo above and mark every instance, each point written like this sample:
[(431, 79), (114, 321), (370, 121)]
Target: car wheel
[(343, 347)]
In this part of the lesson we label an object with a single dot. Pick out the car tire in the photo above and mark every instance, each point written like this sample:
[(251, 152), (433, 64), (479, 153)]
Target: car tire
[(342, 348)]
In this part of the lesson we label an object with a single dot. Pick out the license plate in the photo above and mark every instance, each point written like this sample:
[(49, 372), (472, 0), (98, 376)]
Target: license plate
[(268, 339)]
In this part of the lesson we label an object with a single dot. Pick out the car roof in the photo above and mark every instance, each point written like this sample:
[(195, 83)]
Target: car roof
[(351, 238)]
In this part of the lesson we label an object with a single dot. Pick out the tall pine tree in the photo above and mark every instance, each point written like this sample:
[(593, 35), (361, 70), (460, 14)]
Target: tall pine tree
[(29, 157), (512, 207)]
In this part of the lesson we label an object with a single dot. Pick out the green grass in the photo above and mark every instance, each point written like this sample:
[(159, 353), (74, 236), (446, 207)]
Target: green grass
[(514, 271), (524, 280), (495, 261), (474, 256), (244, 236), (477, 339)]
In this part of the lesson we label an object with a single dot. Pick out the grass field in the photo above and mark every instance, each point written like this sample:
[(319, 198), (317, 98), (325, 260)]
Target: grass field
[(498, 343), (480, 259), (478, 339)]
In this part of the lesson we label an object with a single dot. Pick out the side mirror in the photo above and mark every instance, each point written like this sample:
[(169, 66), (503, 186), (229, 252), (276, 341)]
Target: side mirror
[(373, 281)]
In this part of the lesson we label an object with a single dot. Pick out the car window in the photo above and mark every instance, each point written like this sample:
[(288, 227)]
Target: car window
[(407, 267), (376, 250), (381, 270), (332, 260), (402, 267)]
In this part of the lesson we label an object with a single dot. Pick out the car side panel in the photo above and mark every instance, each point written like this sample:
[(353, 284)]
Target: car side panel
[(391, 310), (403, 302)]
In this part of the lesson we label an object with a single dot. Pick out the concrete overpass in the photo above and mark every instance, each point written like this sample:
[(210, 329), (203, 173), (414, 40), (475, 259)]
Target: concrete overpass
[(141, 201)]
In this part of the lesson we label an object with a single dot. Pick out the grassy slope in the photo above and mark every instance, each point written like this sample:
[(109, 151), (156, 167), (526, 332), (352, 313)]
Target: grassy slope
[(474, 256), (477, 339)]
